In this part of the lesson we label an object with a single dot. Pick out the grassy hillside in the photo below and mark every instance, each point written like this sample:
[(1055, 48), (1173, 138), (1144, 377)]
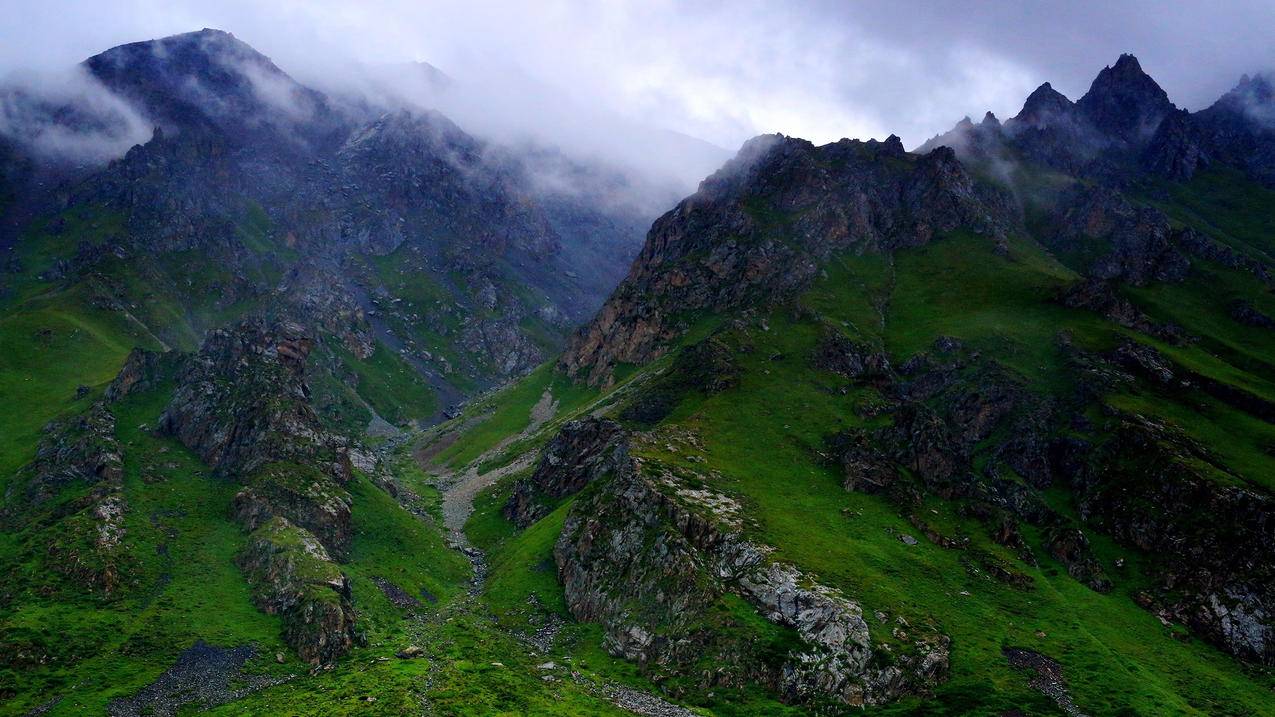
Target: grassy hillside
[(762, 443)]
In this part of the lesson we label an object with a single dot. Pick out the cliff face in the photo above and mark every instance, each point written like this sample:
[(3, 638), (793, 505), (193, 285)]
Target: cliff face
[(757, 230), (242, 405), (655, 562)]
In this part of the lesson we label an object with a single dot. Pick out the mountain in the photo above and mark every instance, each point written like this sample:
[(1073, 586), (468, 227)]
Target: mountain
[(983, 428), (280, 287), (871, 428), (268, 181)]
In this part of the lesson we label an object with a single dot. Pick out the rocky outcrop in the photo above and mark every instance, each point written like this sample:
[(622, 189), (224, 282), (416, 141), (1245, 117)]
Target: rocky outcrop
[(582, 452), (841, 355), (1102, 298), (758, 228), (80, 448), (291, 575), (242, 403), (1071, 548), (1152, 487), (950, 405), (304, 496), (1114, 239), (85, 528), (1247, 314), (142, 370), (658, 564)]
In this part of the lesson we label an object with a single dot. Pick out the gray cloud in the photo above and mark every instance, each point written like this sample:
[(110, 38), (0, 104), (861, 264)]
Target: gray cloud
[(596, 77)]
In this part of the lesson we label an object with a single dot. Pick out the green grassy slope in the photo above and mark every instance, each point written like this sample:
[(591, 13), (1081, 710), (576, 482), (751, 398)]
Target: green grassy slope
[(763, 439)]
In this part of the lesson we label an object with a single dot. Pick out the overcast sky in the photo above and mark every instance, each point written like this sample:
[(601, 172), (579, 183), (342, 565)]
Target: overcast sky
[(721, 71)]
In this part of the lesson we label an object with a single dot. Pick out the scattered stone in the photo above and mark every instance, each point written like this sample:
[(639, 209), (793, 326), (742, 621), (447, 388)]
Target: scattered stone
[(1047, 676), (203, 675)]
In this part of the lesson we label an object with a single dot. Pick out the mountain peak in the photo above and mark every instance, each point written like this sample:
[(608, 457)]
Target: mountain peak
[(1127, 64), (207, 78), (1125, 102), (1044, 104)]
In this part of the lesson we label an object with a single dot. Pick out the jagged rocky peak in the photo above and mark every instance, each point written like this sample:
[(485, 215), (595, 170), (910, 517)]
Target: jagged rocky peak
[(1044, 105), (1125, 102)]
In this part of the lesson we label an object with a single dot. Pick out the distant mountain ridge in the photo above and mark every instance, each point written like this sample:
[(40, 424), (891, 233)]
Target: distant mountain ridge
[(525, 241), (1126, 123)]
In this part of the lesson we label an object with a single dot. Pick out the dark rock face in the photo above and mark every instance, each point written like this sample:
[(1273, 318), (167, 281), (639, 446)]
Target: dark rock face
[(292, 576), (1143, 245), (756, 230), (80, 448), (649, 560), (1245, 313), (141, 370), (1102, 298), (1071, 548), (1124, 102), (945, 407), (242, 403), (1178, 149), (584, 451), (841, 355), (1149, 488), (1240, 127)]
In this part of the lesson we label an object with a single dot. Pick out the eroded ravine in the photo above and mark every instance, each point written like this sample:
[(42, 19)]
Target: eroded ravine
[(459, 489)]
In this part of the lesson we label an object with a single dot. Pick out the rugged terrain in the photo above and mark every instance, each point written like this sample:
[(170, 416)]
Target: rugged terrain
[(983, 428)]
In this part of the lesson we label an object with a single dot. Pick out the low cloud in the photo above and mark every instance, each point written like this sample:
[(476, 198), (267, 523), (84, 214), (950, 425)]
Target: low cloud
[(69, 116), (628, 80)]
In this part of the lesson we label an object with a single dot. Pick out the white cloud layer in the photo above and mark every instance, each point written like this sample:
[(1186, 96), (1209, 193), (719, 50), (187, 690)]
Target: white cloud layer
[(720, 71)]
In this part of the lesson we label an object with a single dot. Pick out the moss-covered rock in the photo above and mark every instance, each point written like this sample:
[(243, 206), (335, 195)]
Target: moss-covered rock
[(291, 575)]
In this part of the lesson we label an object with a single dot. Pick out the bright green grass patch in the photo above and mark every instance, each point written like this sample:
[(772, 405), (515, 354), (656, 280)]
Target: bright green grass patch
[(507, 412), (523, 566), (391, 386), (185, 587), (50, 347), (395, 545)]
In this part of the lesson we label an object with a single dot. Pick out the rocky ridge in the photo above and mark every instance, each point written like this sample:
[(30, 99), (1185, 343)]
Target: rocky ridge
[(757, 230), (242, 405), (1126, 125), (648, 556)]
